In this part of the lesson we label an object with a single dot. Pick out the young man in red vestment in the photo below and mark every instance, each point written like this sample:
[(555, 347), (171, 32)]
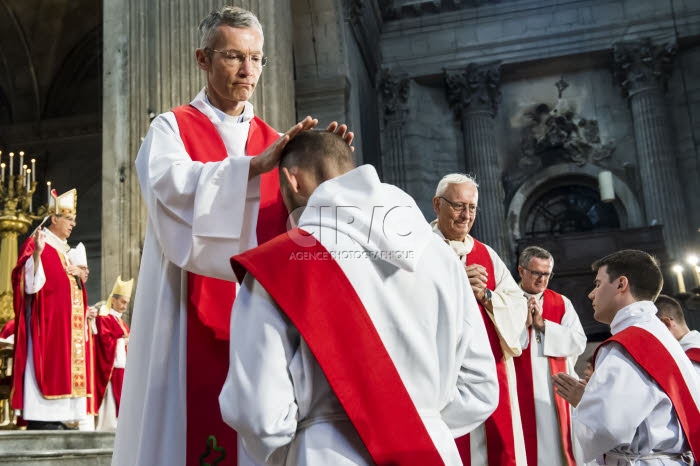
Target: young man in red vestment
[(671, 314), (50, 384), (111, 343), (556, 339), (499, 442), (207, 173), (355, 338), (640, 406)]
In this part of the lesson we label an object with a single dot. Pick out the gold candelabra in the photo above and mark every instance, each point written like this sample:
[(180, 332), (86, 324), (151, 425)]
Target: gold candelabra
[(17, 187)]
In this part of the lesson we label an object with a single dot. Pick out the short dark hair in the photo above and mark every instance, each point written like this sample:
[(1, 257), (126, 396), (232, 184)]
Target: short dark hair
[(534, 251), (322, 153), (668, 307), (640, 268)]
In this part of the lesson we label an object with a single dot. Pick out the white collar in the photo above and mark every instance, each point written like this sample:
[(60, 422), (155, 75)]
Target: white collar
[(57, 243), (201, 102)]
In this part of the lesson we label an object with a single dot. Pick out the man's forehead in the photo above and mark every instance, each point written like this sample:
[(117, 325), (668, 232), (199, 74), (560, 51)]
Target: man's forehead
[(465, 192)]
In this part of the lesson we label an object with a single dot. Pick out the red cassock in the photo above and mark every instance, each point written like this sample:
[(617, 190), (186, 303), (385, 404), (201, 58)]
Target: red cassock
[(109, 329), (57, 326)]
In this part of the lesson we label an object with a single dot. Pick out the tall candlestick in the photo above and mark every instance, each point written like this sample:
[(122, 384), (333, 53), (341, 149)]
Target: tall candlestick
[(21, 158), (679, 278), (12, 158), (24, 175), (2, 168), (48, 192), (29, 177), (33, 170)]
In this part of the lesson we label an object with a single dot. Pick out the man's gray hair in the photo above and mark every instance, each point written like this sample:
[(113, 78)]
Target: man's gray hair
[(454, 178), (534, 251), (230, 16)]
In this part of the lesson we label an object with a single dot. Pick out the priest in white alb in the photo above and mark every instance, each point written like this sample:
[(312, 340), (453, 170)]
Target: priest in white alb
[(556, 340), (671, 314), (500, 441), (207, 173)]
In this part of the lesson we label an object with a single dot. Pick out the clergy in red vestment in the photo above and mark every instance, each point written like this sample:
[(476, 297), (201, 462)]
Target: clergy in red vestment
[(209, 182), (671, 314), (556, 339), (111, 343), (640, 406), (499, 441), (50, 384)]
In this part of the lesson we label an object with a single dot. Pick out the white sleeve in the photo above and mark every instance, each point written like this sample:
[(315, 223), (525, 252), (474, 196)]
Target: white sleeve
[(509, 308), (476, 393), (617, 399), (257, 399), (198, 211), (33, 282), (566, 339)]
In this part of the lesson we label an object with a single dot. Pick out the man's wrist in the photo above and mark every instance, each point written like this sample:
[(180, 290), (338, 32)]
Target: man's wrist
[(486, 297)]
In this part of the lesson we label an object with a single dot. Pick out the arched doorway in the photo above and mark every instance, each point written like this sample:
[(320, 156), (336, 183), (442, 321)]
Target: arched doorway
[(560, 209)]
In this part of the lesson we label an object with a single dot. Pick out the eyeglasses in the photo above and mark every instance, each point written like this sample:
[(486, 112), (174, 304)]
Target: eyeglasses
[(540, 274), (235, 58), (459, 207)]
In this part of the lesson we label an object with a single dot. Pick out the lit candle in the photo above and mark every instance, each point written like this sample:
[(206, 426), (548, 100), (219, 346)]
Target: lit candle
[(678, 269), (12, 158), (692, 260), (33, 170), (48, 191), (21, 158), (24, 174), (29, 177), (2, 168)]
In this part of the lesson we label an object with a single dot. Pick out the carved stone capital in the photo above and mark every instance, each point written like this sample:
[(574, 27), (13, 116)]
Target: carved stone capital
[(476, 89), (394, 91), (640, 65)]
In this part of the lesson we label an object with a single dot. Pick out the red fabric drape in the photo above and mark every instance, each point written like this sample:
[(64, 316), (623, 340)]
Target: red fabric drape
[(500, 442), (655, 359), (377, 403), (210, 299)]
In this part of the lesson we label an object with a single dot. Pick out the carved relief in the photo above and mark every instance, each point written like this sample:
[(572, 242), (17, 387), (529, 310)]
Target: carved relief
[(476, 89), (641, 64), (394, 91), (559, 134)]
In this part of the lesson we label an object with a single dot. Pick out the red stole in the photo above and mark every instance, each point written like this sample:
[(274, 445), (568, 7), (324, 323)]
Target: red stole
[(109, 329), (553, 309), (332, 319), (693, 354), (57, 335), (500, 442), (656, 360), (210, 299)]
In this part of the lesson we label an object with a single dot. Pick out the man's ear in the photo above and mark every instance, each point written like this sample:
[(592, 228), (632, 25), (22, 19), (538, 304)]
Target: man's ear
[(667, 321), (520, 271), (436, 205), (202, 59), (624, 284), (291, 177)]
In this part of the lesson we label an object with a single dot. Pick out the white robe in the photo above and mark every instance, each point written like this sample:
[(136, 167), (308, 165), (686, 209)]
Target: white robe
[(623, 411), (691, 340), (36, 407), (199, 215), (509, 317), (276, 396), (558, 340)]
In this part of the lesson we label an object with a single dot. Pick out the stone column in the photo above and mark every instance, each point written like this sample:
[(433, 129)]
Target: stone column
[(474, 95), (149, 68), (394, 92), (642, 70)]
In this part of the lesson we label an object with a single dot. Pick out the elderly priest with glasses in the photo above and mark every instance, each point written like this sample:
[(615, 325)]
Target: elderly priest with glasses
[(499, 441)]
